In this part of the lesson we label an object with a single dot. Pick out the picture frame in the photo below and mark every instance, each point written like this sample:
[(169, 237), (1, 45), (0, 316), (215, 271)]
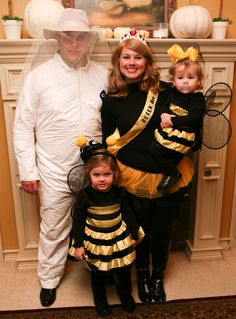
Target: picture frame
[(139, 14)]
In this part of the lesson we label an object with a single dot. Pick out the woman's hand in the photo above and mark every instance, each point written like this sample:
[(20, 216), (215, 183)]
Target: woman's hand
[(79, 253)]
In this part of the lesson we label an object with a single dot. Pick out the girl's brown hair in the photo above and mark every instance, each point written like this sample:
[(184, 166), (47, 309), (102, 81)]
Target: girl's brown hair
[(100, 159), (117, 84)]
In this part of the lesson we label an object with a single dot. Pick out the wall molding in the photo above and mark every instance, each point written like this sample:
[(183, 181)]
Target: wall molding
[(218, 57)]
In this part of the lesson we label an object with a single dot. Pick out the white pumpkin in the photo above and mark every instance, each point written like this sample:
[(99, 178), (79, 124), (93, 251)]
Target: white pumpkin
[(191, 22), (106, 32), (120, 31), (144, 33), (40, 14)]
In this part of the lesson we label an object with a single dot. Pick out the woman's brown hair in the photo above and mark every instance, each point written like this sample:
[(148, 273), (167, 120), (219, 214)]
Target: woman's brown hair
[(117, 84)]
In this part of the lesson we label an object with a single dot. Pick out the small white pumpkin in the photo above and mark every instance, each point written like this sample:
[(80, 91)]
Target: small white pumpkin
[(120, 31), (40, 14), (144, 33), (191, 22), (107, 32)]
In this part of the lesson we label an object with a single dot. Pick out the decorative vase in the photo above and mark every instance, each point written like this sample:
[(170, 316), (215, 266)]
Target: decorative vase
[(192, 22), (219, 29), (40, 14), (12, 29)]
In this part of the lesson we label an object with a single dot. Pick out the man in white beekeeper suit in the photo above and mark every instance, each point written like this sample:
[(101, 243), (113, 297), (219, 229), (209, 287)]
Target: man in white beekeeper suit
[(60, 100)]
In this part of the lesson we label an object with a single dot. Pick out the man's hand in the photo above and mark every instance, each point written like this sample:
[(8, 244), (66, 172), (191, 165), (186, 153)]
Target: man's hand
[(31, 187)]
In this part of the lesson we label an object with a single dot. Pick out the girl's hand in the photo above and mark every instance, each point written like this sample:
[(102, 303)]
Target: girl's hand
[(164, 125), (134, 243), (166, 120), (79, 253)]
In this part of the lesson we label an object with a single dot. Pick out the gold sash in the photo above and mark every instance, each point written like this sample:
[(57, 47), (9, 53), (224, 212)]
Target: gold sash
[(140, 124)]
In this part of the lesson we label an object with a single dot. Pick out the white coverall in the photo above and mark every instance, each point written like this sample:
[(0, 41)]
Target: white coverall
[(56, 105)]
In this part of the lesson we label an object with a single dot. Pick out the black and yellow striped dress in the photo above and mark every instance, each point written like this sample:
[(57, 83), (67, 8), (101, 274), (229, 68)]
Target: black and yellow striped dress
[(188, 110), (104, 224)]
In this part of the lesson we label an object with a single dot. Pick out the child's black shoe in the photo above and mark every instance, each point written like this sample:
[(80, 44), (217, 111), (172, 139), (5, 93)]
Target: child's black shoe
[(102, 307), (127, 301), (168, 181)]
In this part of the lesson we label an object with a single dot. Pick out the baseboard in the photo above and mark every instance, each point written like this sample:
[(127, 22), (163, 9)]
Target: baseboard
[(10, 255), (198, 254)]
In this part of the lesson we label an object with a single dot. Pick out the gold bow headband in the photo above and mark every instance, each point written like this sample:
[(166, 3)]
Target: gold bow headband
[(176, 53)]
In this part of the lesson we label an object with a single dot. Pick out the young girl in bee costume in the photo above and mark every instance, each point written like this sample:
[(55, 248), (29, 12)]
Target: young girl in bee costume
[(181, 116), (105, 230)]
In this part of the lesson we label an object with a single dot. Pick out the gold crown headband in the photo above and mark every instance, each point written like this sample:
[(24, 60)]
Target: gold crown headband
[(177, 54), (133, 34)]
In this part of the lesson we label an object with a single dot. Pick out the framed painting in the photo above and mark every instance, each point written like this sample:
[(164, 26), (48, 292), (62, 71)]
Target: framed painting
[(127, 13)]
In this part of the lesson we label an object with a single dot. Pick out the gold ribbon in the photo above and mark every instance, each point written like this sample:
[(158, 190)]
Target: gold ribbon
[(177, 54), (116, 142)]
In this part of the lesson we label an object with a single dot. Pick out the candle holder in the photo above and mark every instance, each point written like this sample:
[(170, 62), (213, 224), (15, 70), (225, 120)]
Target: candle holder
[(161, 30)]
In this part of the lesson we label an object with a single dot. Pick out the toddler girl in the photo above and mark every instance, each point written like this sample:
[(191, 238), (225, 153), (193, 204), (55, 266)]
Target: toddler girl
[(105, 230), (181, 116)]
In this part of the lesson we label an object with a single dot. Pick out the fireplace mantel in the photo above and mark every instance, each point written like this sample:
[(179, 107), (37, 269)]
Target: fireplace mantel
[(218, 59), (210, 49)]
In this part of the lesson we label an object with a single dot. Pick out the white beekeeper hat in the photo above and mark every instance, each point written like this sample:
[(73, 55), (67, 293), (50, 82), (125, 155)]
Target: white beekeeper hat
[(70, 20)]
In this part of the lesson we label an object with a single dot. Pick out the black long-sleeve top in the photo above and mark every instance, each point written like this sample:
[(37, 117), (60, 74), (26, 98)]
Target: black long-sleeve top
[(122, 113), (194, 103)]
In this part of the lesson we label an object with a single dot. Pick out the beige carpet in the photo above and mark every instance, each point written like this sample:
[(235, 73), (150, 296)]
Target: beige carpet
[(204, 308), (19, 289)]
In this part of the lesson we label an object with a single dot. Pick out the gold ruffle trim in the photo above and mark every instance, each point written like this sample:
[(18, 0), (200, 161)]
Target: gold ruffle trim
[(144, 184), (104, 223), (178, 110), (174, 145), (105, 266), (104, 209), (106, 236), (115, 263), (107, 250)]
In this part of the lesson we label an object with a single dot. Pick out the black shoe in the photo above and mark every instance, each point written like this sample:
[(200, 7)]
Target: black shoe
[(128, 303), (168, 181), (127, 300), (158, 292), (47, 296), (144, 286), (102, 307)]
